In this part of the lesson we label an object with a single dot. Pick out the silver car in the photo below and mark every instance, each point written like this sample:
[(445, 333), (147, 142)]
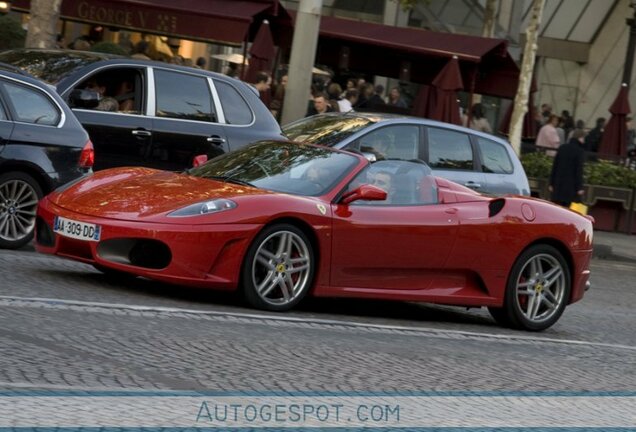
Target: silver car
[(474, 159)]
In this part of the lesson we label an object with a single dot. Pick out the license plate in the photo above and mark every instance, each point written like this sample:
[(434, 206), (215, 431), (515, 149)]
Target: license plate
[(76, 230)]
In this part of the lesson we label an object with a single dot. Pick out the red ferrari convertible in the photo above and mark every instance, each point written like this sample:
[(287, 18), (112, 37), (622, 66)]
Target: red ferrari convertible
[(282, 220)]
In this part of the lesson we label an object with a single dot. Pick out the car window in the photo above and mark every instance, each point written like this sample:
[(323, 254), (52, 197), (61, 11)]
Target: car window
[(183, 96), (236, 110), (449, 149), (32, 106), (494, 157), (406, 183), (118, 89), (391, 142)]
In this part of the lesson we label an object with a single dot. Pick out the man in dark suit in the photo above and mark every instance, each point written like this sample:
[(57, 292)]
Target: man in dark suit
[(566, 180)]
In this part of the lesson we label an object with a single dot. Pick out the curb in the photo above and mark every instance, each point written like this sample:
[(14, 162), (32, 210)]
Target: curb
[(606, 252)]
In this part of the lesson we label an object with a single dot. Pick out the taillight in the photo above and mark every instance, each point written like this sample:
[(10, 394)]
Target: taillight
[(87, 157)]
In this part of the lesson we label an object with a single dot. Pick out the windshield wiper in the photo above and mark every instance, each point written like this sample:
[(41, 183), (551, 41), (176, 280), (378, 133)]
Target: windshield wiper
[(229, 179)]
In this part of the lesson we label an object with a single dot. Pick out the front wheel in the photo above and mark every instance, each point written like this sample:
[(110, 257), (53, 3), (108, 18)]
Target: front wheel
[(278, 268), (19, 196), (537, 291)]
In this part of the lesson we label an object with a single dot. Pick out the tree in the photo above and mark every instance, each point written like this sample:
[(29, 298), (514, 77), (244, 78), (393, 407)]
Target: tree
[(42, 32), (489, 18), (525, 76)]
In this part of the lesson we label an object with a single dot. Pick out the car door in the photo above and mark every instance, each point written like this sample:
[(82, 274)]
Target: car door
[(120, 137), (450, 154), (397, 244), (185, 122)]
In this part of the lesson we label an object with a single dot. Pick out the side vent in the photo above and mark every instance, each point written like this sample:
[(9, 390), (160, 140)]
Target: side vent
[(495, 206)]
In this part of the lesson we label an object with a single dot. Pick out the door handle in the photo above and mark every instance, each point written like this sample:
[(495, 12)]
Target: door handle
[(141, 133), (215, 139), (450, 210), (472, 185)]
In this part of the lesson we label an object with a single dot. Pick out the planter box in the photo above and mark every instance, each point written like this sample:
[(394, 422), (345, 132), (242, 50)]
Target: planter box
[(610, 207), (539, 188)]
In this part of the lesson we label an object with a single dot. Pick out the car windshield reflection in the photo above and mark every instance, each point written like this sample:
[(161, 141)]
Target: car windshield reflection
[(325, 130), (286, 167)]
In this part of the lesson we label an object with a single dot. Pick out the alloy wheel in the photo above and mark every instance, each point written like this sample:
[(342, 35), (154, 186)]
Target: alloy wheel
[(281, 268), (540, 288), (18, 206)]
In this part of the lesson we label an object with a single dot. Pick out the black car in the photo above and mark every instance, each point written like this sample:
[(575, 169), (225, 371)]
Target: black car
[(149, 113), (42, 146)]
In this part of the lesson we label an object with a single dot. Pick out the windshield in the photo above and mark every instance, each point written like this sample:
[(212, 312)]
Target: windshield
[(49, 66), (281, 167), (325, 130)]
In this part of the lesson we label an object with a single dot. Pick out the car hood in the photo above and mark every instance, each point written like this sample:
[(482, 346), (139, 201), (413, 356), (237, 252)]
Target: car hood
[(132, 193)]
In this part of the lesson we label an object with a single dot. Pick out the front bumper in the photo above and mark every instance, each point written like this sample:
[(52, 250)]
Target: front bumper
[(208, 256)]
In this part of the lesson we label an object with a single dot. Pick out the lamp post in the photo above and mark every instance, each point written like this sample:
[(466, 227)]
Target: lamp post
[(631, 45)]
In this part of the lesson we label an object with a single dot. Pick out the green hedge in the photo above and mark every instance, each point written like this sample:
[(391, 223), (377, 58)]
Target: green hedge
[(602, 173)]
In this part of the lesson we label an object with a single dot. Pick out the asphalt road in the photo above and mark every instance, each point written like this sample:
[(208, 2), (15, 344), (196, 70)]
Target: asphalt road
[(64, 325)]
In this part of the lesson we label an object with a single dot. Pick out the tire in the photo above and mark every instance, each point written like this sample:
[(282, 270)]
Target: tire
[(19, 197), (278, 269), (537, 291)]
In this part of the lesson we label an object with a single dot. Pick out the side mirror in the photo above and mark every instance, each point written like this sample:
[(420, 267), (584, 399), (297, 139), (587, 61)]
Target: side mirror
[(84, 98), (364, 192), (199, 160)]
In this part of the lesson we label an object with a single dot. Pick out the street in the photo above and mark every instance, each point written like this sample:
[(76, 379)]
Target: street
[(64, 326)]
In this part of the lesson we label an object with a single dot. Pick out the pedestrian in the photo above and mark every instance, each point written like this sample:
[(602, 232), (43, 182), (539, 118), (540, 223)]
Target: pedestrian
[(200, 63), (396, 99), (568, 122), (320, 106), (566, 178), (580, 125), (594, 137), (546, 112), (276, 106), (263, 83), (548, 137), (478, 120)]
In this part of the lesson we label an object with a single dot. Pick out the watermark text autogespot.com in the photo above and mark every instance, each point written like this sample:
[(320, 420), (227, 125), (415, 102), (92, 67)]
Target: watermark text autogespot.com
[(265, 413)]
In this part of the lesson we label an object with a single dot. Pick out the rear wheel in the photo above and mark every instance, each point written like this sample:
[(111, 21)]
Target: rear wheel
[(19, 196), (278, 269), (537, 291)]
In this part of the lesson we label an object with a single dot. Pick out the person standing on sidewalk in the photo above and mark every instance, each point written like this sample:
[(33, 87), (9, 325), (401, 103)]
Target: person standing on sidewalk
[(566, 179)]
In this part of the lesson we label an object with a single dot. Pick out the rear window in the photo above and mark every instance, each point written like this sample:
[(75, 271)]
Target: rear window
[(235, 109), (32, 106), (494, 157), (49, 66)]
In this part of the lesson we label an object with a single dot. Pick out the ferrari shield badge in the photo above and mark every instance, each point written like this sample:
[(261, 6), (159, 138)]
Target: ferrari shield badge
[(321, 208)]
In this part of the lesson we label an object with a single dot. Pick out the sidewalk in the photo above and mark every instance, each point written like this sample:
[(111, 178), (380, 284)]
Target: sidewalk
[(614, 246)]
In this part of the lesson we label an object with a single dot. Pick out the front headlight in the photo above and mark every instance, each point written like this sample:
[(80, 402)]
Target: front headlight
[(212, 206)]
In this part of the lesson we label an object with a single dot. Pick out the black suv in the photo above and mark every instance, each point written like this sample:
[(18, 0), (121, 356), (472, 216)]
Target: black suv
[(42, 146), (150, 113)]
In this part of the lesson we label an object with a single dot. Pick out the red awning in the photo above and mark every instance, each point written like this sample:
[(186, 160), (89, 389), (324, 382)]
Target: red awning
[(385, 50), (223, 21), (411, 40)]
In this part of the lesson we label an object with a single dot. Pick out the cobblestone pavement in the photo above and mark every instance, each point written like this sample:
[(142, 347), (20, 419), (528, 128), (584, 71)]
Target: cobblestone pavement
[(214, 343)]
